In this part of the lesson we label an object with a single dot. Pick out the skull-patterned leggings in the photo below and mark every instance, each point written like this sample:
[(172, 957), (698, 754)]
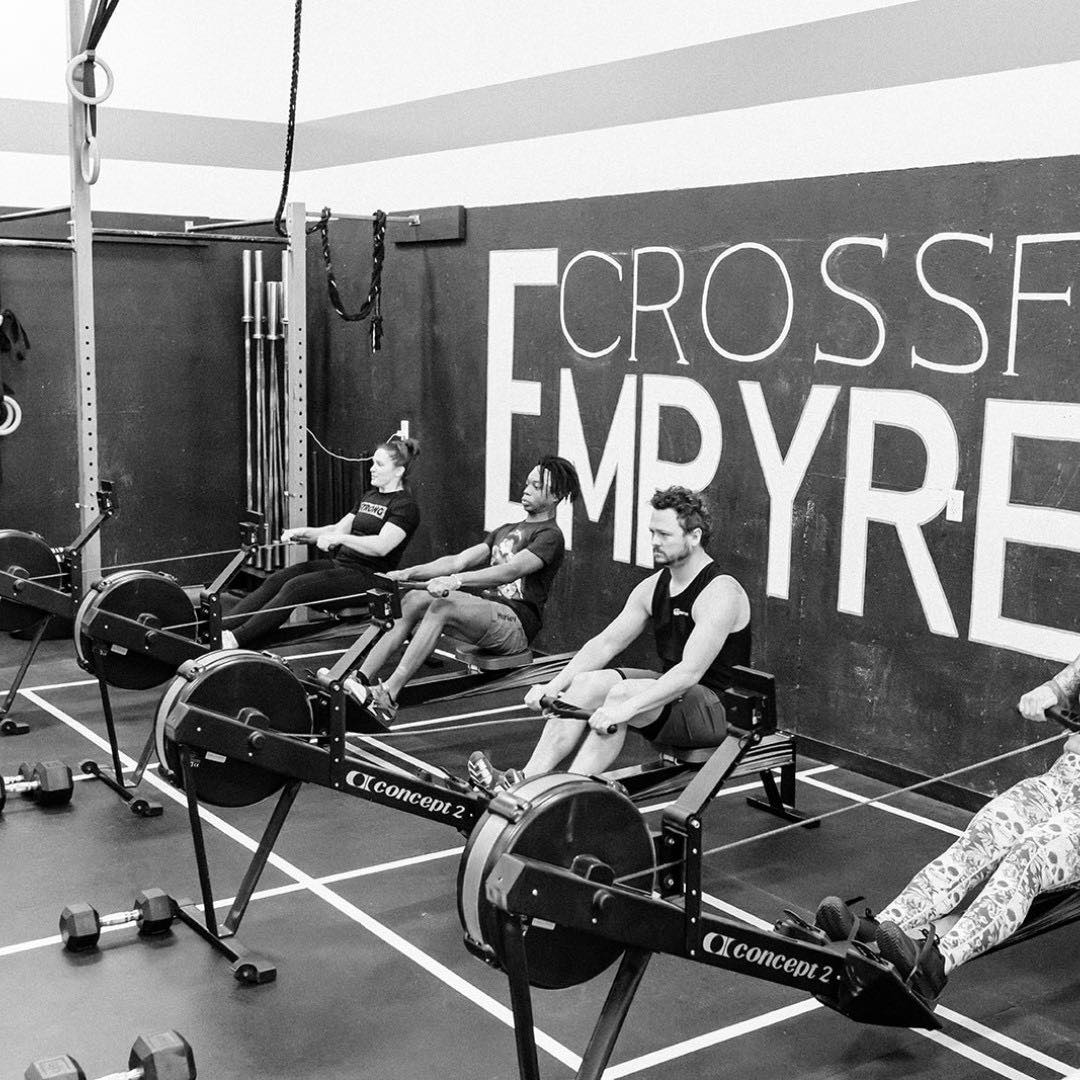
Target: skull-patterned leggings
[(1021, 843)]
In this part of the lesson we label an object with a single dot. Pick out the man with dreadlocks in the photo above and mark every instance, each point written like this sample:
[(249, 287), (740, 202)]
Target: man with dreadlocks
[(491, 595), (700, 619)]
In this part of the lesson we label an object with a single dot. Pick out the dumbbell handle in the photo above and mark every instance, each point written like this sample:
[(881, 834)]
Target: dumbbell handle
[(19, 785), (119, 918), (131, 1074)]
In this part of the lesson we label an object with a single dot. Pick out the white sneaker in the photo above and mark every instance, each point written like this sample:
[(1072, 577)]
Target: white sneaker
[(228, 640)]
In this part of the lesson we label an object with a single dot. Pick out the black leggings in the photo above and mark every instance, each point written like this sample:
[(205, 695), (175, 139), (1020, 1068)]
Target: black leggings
[(305, 583)]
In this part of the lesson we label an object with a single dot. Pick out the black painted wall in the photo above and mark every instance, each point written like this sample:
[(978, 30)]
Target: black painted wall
[(170, 394), (880, 683)]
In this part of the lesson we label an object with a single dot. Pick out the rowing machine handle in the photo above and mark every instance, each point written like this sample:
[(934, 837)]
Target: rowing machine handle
[(557, 707), (1066, 717)]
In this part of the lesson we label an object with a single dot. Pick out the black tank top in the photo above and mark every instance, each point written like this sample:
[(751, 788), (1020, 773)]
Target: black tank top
[(673, 622)]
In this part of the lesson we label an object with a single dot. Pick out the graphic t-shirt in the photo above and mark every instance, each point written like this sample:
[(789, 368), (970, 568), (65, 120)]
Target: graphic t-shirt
[(375, 510), (527, 594)]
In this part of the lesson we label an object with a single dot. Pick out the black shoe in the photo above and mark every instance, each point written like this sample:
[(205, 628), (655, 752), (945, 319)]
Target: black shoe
[(919, 964), (840, 923)]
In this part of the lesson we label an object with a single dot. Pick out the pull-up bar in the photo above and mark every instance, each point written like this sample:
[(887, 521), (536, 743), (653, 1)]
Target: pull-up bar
[(166, 234), (43, 211), (403, 219)]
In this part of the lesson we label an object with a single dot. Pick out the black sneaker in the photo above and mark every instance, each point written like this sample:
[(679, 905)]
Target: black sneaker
[(919, 964), (840, 923)]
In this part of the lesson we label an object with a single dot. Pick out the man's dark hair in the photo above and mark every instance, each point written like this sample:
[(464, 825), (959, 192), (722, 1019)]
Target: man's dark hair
[(562, 477), (689, 508)]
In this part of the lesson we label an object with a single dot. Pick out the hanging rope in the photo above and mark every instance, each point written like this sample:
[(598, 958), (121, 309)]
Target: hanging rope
[(290, 129), (372, 306)]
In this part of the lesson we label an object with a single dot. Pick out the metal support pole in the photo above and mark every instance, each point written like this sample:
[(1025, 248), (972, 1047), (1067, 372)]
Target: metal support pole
[(82, 259), (294, 329)]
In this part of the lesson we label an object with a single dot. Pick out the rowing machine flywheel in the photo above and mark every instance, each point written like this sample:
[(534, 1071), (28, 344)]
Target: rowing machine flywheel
[(26, 555), (558, 818), (153, 600), (238, 683)]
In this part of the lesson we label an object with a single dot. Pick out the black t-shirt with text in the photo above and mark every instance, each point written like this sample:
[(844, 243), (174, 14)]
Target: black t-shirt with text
[(375, 510)]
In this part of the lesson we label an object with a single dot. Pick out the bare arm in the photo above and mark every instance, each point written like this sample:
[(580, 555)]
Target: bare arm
[(308, 534), (447, 564), (1059, 690), (520, 565), (598, 651), (382, 543)]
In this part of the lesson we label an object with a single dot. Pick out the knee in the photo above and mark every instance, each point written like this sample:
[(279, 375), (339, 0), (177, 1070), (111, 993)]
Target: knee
[(414, 604), (620, 693), (589, 686), (440, 609)]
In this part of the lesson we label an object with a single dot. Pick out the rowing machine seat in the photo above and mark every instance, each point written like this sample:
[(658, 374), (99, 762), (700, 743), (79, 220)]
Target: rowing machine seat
[(477, 659)]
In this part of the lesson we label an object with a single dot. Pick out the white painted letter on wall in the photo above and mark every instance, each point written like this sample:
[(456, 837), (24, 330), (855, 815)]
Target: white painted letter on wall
[(616, 462), (907, 511), (674, 392), (1001, 522), (507, 396), (784, 475)]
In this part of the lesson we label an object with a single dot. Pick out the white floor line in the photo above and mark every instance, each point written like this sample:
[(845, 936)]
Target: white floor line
[(58, 685), (843, 793), (1006, 1041), (750, 785), (972, 1054), (712, 1038), (373, 926)]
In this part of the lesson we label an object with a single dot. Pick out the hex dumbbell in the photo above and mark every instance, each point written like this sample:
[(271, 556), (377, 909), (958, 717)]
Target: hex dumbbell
[(165, 1056), (80, 924), (48, 783)]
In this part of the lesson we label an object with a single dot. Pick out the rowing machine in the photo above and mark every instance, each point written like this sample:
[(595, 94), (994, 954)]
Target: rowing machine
[(237, 727), (39, 583), (557, 883)]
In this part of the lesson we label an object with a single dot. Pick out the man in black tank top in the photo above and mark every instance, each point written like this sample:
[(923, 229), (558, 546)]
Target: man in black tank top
[(701, 623)]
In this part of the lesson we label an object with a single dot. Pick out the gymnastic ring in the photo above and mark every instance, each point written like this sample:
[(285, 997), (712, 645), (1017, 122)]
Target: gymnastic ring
[(13, 418), (88, 57), (90, 160)]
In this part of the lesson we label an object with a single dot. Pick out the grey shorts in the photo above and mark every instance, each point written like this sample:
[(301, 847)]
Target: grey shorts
[(503, 633)]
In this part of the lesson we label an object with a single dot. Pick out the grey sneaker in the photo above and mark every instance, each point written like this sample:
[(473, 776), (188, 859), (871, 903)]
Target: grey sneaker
[(484, 775), (376, 699)]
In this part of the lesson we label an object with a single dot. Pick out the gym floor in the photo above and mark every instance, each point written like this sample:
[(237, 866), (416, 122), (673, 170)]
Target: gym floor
[(358, 911)]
